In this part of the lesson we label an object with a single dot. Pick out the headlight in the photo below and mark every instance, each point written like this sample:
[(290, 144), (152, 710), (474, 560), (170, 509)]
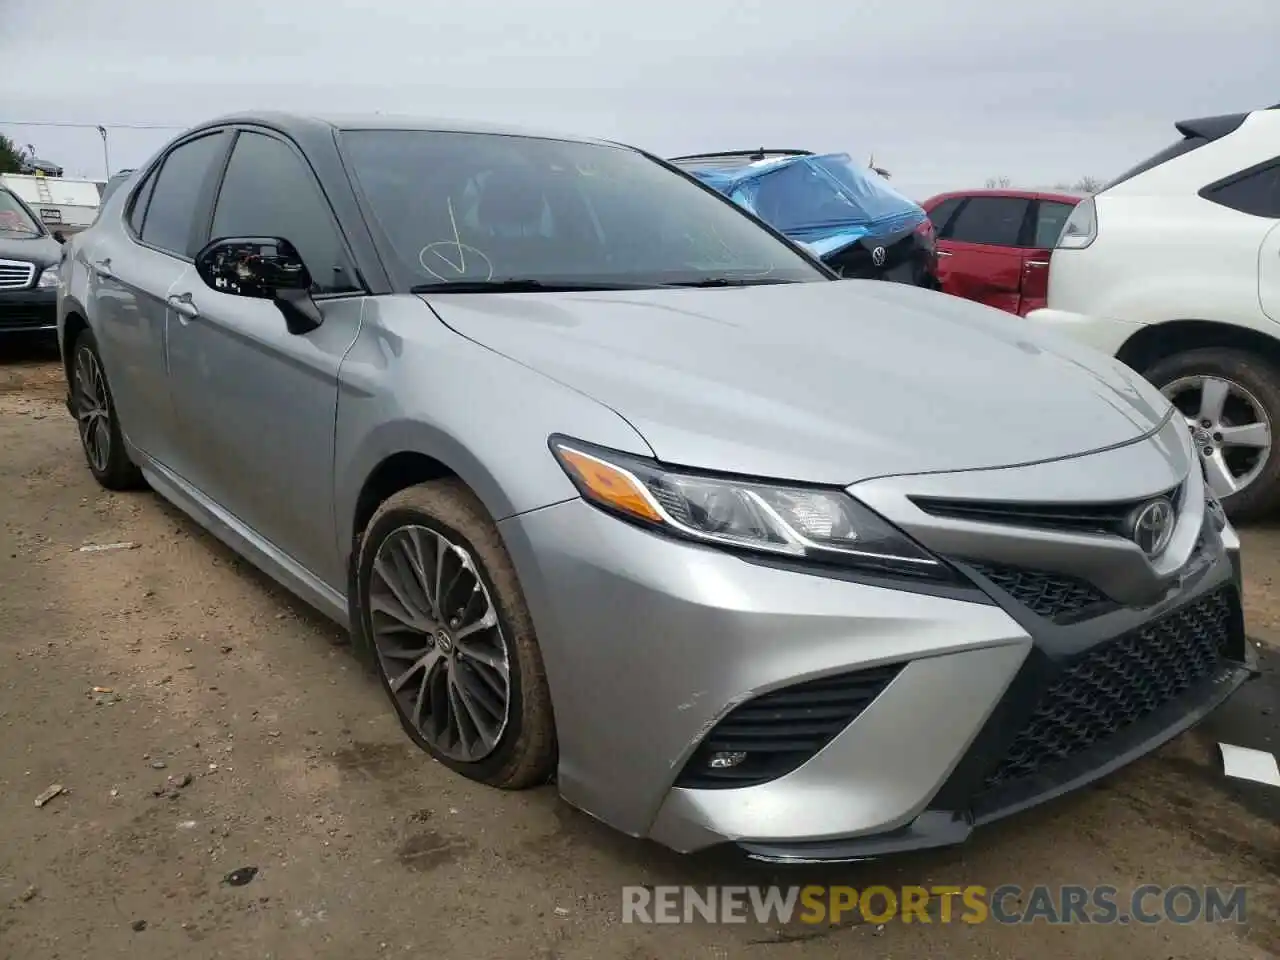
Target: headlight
[(48, 278), (821, 525)]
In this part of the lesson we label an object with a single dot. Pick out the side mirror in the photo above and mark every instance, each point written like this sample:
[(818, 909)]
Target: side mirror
[(262, 268), (59, 236)]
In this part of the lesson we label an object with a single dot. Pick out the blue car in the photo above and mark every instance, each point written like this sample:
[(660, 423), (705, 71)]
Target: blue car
[(845, 213)]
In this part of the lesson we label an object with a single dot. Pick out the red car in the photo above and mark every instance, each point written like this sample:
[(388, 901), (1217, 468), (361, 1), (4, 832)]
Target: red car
[(994, 245)]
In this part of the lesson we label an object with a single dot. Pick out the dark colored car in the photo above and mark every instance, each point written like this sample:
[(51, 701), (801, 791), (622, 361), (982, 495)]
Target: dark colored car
[(840, 210), (29, 257), (994, 246)]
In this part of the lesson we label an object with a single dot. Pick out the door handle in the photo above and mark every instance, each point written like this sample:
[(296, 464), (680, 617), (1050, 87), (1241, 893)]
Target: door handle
[(180, 303), (943, 253), (103, 268), (1037, 263)]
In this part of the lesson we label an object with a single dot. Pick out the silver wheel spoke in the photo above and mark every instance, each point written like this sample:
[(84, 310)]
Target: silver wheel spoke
[(388, 604), (1246, 435), (1221, 480), (444, 657), (387, 570), (484, 623), (423, 663), (480, 719), (1213, 398)]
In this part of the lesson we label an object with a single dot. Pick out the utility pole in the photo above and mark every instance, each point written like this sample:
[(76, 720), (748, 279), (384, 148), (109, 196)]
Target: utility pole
[(106, 157)]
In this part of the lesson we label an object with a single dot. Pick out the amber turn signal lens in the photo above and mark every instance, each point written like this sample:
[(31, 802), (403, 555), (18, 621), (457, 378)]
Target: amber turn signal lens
[(608, 485)]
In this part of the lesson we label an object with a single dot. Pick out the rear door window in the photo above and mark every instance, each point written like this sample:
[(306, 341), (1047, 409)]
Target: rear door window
[(1254, 191), (995, 221), (1050, 217), (170, 219)]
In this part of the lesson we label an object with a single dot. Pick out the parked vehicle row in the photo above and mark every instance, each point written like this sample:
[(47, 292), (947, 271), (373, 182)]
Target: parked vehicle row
[(613, 485), (845, 213)]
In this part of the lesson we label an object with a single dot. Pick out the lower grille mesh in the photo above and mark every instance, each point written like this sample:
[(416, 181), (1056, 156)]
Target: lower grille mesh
[(1054, 596), (779, 731), (1120, 683)]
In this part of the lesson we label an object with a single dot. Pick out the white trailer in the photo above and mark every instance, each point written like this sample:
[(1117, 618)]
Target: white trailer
[(60, 203)]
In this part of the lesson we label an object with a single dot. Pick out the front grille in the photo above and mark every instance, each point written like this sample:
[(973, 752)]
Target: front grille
[(16, 274), (1105, 518), (855, 263), (779, 731), (1054, 596), (1120, 682)]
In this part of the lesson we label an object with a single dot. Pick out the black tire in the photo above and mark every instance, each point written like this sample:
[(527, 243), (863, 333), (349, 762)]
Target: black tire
[(117, 471), (1261, 379), (525, 754)]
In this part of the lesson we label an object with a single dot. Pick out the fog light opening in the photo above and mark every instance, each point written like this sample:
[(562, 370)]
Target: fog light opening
[(726, 759)]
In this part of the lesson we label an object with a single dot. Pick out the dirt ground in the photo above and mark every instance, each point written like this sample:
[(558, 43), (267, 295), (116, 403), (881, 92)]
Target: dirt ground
[(201, 721)]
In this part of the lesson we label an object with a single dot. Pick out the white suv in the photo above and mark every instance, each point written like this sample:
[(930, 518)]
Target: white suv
[(1174, 268)]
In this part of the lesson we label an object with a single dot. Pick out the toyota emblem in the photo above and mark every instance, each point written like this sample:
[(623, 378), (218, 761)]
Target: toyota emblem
[(1151, 526), (878, 256)]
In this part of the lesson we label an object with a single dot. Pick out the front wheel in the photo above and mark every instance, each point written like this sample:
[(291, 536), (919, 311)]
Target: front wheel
[(1231, 401), (96, 418), (442, 617)]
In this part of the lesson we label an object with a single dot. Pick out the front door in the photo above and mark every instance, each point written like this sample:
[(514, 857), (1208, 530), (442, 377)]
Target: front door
[(257, 403), (979, 252)]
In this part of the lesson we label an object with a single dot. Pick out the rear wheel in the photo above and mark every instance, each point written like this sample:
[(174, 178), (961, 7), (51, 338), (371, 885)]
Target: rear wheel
[(442, 617), (96, 419), (1231, 402)]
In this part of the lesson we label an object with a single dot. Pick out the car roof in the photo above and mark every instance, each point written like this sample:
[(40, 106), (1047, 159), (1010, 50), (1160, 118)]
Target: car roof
[(301, 126), (1063, 196)]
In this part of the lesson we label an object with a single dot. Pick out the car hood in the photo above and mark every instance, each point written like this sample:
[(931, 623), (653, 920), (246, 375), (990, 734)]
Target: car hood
[(828, 382), (43, 251)]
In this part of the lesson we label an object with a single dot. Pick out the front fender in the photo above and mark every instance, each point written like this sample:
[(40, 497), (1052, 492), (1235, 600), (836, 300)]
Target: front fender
[(410, 384)]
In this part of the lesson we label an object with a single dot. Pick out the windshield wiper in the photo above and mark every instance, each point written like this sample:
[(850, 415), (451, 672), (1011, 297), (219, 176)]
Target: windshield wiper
[(523, 285), (731, 282)]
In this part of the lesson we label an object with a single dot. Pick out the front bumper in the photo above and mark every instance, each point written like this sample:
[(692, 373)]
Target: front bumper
[(944, 707), (1102, 333), (655, 650), (27, 310)]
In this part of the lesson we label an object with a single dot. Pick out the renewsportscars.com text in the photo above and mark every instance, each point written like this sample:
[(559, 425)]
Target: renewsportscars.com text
[(1007, 904)]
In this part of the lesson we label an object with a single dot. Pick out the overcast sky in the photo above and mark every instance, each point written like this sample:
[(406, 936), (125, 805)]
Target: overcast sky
[(945, 93)]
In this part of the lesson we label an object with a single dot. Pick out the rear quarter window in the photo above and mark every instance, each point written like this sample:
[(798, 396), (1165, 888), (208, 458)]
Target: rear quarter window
[(1254, 191)]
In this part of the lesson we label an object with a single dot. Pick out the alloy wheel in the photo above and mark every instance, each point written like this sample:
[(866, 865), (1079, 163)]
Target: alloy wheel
[(439, 643), (93, 412), (1230, 428)]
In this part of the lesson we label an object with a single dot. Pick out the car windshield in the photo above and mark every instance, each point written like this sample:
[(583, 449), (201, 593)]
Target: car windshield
[(477, 208), (14, 219)]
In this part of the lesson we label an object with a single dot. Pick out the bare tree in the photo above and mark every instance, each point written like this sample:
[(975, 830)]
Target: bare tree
[(998, 183), (1087, 185)]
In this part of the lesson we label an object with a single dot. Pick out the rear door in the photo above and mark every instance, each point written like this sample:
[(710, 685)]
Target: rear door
[(134, 269), (1047, 218), (980, 252)]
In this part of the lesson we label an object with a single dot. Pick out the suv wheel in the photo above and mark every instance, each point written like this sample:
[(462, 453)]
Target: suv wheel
[(441, 615), (1231, 400), (95, 414)]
